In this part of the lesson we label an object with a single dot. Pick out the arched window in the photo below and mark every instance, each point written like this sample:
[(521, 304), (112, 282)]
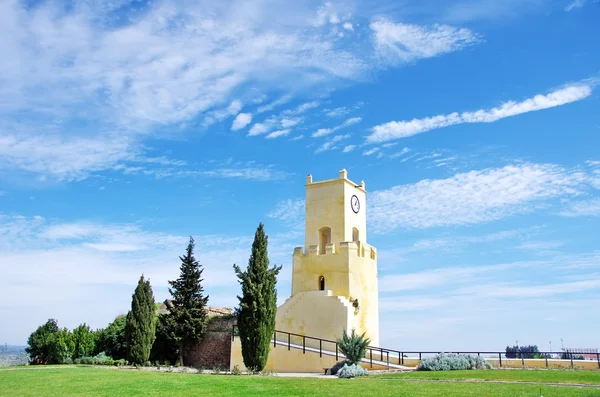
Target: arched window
[(321, 283), (355, 235), (325, 239)]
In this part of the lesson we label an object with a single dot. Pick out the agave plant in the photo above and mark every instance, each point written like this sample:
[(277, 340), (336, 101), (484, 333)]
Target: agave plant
[(353, 346)]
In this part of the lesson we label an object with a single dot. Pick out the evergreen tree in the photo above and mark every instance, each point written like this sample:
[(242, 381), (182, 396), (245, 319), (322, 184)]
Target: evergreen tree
[(140, 324), (186, 320), (258, 304)]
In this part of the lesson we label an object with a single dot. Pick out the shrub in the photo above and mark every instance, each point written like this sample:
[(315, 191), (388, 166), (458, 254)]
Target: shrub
[(236, 370), (450, 362), (337, 366), (353, 346), (351, 371)]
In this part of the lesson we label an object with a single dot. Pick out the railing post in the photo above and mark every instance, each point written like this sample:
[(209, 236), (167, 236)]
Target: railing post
[(303, 344), (320, 347), (336, 351), (522, 361), (388, 359), (289, 340), (545, 355), (598, 357), (381, 351), (275, 339), (571, 355), (371, 357), (500, 359), (402, 354), (419, 356)]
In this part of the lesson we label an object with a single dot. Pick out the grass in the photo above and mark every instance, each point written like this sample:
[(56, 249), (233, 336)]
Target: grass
[(88, 381), (512, 375)]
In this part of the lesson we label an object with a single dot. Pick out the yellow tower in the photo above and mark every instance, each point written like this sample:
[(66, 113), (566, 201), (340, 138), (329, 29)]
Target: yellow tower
[(334, 279)]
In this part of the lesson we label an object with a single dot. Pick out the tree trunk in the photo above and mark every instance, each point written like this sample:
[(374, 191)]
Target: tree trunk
[(181, 354)]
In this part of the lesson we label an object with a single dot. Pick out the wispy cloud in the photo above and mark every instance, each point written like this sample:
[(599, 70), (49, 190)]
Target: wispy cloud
[(288, 211), (473, 197), (278, 133), (401, 42), (348, 148), (583, 208), (241, 121), (402, 129), (575, 4), (331, 143), (326, 131)]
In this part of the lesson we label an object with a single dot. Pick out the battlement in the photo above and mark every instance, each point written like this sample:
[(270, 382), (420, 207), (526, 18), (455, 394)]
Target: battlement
[(345, 248)]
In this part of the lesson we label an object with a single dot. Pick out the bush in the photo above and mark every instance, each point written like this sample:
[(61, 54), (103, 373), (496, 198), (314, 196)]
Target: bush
[(351, 371), (337, 366), (451, 362), (353, 346), (236, 370)]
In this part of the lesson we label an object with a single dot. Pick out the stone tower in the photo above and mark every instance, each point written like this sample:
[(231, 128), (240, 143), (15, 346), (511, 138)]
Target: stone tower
[(334, 279)]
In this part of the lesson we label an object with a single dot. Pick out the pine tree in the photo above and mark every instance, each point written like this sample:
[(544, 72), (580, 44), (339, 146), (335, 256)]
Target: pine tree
[(140, 324), (186, 320), (258, 304)]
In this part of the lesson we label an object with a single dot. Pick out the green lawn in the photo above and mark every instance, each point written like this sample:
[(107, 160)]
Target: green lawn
[(517, 375), (65, 381)]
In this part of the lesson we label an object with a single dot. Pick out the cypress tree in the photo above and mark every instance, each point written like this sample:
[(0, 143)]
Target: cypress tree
[(140, 324), (186, 320), (258, 303)]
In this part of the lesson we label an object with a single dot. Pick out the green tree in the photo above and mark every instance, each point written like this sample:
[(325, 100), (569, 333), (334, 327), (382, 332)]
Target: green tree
[(186, 320), (140, 325), (38, 341), (61, 346), (84, 341), (258, 303), (353, 346), (111, 340)]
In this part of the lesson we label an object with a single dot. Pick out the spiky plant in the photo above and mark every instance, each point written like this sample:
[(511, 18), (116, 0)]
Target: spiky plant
[(353, 346)]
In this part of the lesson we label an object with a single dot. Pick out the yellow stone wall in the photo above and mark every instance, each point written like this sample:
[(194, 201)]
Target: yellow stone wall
[(283, 360), (349, 267)]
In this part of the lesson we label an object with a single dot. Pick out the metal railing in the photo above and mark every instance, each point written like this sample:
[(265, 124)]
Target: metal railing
[(397, 357)]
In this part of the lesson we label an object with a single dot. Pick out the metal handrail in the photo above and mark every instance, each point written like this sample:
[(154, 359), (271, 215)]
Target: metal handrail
[(401, 354)]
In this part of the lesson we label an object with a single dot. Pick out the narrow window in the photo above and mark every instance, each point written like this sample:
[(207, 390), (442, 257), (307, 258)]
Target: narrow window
[(355, 235), (321, 283), (325, 239)]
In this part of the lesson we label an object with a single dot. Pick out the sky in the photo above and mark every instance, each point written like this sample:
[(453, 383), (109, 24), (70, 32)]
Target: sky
[(128, 126)]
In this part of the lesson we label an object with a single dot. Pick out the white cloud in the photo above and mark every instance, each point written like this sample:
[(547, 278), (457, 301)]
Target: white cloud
[(370, 151), (66, 261), (277, 134), (288, 211), (402, 129), (574, 4), (221, 114), (348, 26), (326, 131), (297, 138), (330, 144), (400, 42), (322, 132), (473, 197), (278, 102), (540, 245), (291, 122), (583, 208), (349, 148), (400, 153), (64, 158), (241, 121)]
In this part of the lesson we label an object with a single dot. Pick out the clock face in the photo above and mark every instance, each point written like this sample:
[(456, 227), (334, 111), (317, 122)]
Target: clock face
[(355, 204)]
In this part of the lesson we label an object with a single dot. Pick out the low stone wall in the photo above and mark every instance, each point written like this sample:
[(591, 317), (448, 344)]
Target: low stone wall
[(215, 348)]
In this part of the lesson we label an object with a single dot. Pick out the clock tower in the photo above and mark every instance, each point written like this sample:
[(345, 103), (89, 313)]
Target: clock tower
[(334, 276)]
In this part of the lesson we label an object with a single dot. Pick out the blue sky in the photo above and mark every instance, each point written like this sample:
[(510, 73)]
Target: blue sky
[(127, 127)]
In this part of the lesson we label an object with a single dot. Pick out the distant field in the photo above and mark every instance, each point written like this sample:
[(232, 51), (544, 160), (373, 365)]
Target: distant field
[(87, 381)]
